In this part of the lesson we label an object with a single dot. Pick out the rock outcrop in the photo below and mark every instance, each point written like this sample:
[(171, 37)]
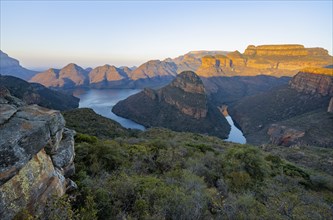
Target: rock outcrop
[(314, 81), (34, 93), (210, 66), (288, 57), (11, 66), (182, 106), (36, 156), (282, 135), (70, 76)]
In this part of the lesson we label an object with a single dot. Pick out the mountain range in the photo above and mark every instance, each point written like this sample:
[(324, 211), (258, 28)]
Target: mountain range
[(274, 60)]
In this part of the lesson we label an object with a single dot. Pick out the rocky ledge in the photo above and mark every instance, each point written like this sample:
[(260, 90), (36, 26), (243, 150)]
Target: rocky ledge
[(36, 156)]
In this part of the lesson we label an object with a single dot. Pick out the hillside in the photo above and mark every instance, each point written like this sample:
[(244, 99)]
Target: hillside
[(156, 174), (12, 67), (94, 124), (180, 106), (289, 115), (34, 93), (162, 174)]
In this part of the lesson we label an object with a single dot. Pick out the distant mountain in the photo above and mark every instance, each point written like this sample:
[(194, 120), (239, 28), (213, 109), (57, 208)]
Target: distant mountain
[(34, 93), (12, 67), (297, 113), (192, 60), (181, 106), (108, 76), (70, 76), (274, 60), (154, 73), (154, 68)]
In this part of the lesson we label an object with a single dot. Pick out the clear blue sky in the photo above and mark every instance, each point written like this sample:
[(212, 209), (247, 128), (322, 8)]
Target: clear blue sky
[(90, 33)]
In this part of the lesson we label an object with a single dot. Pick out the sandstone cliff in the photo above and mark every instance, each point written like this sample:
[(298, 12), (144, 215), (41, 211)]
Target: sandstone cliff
[(37, 154), (182, 106), (314, 81), (210, 66), (276, 60)]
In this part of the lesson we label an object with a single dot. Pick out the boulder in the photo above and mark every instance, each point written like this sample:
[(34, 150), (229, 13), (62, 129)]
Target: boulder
[(30, 136), (282, 135)]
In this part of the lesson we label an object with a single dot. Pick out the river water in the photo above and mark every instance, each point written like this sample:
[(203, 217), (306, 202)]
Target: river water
[(103, 100)]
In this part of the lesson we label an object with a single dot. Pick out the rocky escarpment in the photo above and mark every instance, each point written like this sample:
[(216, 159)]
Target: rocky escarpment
[(36, 156), (180, 106), (210, 66), (276, 60), (34, 93), (314, 81), (11, 66), (294, 114)]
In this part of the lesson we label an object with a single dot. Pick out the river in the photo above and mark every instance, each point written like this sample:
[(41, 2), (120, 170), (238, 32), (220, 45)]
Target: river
[(103, 100)]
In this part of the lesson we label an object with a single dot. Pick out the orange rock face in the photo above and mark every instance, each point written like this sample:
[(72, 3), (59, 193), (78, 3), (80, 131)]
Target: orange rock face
[(210, 66), (314, 82)]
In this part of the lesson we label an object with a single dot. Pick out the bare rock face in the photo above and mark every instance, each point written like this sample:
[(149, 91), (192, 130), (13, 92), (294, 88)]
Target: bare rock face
[(210, 66), (36, 156), (282, 135), (289, 58), (314, 81), (276, 50)]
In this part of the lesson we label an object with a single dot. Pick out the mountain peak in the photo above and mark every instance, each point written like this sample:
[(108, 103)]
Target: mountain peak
[(188, 81)]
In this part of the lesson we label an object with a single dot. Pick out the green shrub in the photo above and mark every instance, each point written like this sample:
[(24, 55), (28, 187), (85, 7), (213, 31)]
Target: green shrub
[(79, 138)]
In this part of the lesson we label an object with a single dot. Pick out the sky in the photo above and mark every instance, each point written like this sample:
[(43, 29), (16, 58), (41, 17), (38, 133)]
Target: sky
[(43, 34)]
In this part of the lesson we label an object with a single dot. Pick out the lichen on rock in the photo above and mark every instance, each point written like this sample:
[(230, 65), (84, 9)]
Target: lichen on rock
[(30, 136)]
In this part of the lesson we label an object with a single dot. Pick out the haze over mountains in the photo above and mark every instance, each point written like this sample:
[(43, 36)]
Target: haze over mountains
[(11, 66)]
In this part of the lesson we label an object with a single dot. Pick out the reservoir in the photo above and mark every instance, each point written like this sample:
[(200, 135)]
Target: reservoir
[(235, 134), (103, 100)]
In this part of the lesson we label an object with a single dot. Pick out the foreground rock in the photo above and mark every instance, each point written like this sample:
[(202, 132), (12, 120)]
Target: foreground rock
[(180, 106), (36, 156)]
